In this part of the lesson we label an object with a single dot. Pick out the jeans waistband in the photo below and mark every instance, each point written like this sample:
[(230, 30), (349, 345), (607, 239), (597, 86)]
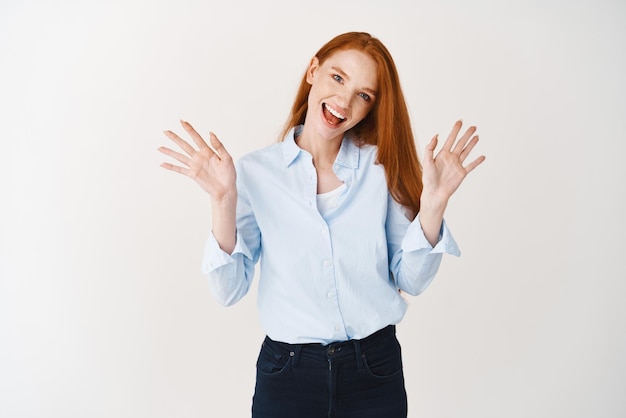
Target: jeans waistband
[(337, 350)]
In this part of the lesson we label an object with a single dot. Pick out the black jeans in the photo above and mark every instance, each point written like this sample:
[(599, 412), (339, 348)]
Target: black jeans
[(356, 378)]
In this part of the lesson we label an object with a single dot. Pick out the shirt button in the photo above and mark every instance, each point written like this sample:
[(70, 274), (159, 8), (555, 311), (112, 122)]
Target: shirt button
[(337, 328), (331, 294), (327, 263)]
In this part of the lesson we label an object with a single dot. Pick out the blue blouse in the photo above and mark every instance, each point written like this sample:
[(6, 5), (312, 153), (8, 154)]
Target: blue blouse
[(322, 279)]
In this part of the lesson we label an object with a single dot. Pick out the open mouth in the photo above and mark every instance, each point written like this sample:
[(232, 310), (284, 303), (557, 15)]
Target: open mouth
[(333, 116)]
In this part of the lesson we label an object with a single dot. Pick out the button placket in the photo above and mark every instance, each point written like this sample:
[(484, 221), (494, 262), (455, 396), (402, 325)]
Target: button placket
[(329, 274)]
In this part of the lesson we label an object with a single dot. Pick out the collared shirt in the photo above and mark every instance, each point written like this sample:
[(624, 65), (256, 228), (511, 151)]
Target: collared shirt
[(322, 278)]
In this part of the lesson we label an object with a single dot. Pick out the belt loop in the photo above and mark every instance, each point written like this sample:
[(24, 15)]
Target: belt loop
[(295, 354), (357, 353)]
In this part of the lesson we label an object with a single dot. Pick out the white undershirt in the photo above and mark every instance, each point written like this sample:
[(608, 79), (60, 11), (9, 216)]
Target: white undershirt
[(327, 202)]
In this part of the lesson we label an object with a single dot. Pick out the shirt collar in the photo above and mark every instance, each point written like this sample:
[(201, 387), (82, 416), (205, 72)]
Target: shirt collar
[(290, 149), (348, 155)]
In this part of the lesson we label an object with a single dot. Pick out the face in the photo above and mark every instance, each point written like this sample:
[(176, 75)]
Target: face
[(343, 91)]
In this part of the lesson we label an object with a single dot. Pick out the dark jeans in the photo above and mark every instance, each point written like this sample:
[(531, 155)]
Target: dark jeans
[(356, 378)]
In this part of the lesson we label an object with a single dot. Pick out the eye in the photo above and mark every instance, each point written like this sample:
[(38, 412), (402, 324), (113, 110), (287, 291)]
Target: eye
[(365, 97), (338, 78)]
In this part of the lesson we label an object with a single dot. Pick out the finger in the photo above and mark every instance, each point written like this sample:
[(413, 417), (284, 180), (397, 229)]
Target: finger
[(218, 147), (430, 148), (180, 142), (453, 134), (458, 147), (194, 135), (468, 148), (175, 168), (176, 155), (474, 164)]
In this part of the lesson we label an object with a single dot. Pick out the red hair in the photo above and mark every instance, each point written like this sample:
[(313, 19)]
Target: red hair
[(387, 125)]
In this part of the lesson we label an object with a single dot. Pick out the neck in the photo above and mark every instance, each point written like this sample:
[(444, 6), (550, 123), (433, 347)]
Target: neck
[(324, 151)]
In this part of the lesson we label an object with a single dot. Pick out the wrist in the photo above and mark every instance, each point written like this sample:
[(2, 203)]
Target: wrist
[(432, 203), (226, 201)]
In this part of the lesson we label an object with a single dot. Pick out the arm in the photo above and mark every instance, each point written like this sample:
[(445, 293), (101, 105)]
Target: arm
[(230, 274), (213, 169), (416, 248)]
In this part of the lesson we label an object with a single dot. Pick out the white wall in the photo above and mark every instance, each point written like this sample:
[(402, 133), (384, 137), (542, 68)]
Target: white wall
[(103, 310)]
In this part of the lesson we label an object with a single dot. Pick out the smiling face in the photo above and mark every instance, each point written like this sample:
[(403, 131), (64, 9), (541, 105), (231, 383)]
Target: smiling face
[(343, 91)]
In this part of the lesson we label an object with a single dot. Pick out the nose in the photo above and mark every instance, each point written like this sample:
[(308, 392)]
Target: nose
[(345, 99)]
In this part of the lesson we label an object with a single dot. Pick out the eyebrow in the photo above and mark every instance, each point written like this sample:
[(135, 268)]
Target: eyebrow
[(347, 77)]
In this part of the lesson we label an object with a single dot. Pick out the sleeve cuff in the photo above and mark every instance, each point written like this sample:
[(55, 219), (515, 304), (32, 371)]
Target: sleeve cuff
[(416, 240), (215, 257)]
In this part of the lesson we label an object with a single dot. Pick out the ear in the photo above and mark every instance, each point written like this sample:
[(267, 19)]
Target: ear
[(310, 72)]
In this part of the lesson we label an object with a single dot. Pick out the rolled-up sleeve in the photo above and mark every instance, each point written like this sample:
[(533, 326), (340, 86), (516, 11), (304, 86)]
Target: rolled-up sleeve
[(414, 262), (230, 275)]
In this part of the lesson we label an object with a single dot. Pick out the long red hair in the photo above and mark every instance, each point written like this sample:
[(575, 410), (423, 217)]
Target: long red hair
[(387, 125)]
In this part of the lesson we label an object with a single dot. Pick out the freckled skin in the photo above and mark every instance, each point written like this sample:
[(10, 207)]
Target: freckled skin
[(346, 81)]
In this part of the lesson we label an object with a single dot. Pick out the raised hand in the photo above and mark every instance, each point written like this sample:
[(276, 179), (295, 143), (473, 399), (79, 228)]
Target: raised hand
[(210, 166), (213, 169), (443, 174)]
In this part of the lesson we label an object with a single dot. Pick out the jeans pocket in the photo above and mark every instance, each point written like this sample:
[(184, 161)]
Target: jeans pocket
[(272, 359), (384, 361)]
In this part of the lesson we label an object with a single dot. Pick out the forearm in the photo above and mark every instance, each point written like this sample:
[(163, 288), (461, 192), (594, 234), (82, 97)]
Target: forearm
[(224, 222), (431, 216), (414, 260)]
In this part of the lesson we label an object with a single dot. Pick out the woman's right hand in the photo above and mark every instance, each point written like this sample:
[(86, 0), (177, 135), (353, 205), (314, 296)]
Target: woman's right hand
[(210, 166)]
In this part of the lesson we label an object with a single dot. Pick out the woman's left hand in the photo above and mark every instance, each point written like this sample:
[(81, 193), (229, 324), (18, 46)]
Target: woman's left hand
[(443, 173)]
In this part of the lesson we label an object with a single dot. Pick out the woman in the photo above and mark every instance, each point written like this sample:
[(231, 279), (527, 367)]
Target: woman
[(343, 219)]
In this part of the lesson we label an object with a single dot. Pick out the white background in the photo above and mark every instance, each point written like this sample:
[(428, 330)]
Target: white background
[(103, 310)]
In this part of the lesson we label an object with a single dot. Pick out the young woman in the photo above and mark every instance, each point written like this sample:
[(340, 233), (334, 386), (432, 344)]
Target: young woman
[(343, 219)]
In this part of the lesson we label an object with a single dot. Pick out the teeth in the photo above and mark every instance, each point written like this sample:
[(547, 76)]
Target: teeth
[(334, 112)]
